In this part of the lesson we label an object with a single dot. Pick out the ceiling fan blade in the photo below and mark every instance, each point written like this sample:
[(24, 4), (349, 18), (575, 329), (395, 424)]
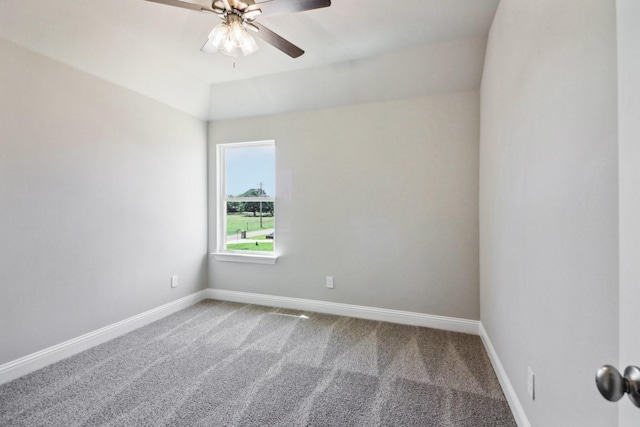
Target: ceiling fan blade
[(184, 4), (279, 7), (278, 42)]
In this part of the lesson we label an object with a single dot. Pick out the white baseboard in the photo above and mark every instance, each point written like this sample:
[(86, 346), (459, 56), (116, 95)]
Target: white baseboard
[(362, 312), (32, 362), (507, 388)]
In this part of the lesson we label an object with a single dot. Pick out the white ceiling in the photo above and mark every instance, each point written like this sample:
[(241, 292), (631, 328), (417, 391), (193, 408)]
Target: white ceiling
[(386, 49)]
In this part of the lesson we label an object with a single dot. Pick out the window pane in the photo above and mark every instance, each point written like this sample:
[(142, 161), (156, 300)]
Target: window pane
[(250, 171), (247, 229), (248, 182)]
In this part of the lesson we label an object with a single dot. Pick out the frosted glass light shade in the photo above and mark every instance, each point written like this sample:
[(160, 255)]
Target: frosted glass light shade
[(231, 38), (248, 44), (218, 34)]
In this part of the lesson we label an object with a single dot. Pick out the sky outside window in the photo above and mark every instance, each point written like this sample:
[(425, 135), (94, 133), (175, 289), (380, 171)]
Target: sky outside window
[(247, 167)]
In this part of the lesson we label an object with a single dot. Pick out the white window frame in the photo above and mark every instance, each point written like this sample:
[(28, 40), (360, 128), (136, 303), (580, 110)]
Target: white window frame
[(222, 253)]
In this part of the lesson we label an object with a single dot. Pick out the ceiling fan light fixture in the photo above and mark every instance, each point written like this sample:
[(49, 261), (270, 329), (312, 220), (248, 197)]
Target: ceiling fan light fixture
[(219, 34), (236, 29), (229, 47), (231, 37), (248, 44)]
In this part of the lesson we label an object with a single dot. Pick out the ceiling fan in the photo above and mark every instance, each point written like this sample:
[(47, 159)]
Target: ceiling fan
[(238, 16)]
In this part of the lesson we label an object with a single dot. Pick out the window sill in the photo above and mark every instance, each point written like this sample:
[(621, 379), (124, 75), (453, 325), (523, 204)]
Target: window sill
[(245, 258)]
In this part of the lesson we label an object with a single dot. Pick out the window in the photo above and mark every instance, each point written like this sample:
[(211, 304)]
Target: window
[(246, 202)]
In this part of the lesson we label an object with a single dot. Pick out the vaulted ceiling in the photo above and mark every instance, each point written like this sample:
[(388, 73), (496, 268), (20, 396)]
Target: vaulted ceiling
[(356, 51)]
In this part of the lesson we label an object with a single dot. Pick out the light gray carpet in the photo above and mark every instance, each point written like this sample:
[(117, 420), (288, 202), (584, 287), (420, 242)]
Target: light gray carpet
[(228, 364)]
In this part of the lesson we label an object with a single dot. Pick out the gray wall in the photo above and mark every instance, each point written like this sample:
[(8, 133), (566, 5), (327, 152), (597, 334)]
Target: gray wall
[(102, 199), (382, 196), (548, 203)]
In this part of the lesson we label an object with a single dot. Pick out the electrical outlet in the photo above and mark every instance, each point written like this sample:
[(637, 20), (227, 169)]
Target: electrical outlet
[(330, 282), (531, 384), (174, 281)]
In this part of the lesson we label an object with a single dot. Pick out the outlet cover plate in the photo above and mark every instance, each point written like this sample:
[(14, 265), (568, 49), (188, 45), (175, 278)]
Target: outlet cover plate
[(330, 282)]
